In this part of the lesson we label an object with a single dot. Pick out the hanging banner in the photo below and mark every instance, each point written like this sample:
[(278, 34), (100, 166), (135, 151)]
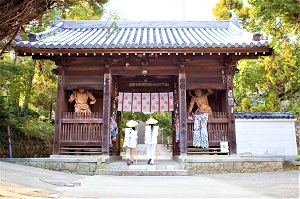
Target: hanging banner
[(163, 102), (127, 102), (145, 102), (120, 101), (154, 102), (137, 102), (171, 101)]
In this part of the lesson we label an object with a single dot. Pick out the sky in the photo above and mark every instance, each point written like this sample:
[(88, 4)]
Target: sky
[(190, 10)]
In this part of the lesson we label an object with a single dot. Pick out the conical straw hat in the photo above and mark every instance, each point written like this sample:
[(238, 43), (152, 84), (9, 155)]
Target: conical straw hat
[(131, 123), (151, 121)]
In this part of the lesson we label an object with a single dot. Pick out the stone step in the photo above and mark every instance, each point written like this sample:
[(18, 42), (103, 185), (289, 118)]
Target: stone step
[(141, 168), (134, 172)]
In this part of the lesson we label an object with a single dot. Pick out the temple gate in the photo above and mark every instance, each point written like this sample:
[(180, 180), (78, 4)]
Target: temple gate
[(143, 57)]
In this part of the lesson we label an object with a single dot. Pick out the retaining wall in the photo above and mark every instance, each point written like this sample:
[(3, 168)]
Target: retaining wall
[(231, 165), (82, 166)]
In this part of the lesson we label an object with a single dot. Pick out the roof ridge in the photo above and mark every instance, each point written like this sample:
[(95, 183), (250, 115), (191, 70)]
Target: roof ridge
[(143, 24)]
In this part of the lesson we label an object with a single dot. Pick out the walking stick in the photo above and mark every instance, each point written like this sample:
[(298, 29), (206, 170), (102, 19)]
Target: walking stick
[(156, 153), (136, 156)]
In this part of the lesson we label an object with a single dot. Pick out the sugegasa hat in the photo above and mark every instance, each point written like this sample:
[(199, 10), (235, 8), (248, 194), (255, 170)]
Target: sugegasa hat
[(131, 123), (151, 121)]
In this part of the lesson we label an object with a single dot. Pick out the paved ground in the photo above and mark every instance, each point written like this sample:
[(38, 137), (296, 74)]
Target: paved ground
[(163, 161), (17, 181)]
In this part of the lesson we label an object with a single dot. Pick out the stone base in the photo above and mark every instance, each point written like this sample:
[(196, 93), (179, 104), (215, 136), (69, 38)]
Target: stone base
[(188, 165), (229, 164)]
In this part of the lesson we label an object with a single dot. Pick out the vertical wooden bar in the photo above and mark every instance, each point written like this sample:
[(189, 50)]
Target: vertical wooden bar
[(182, 111), (58, 113), (106, 112), (230, 106)]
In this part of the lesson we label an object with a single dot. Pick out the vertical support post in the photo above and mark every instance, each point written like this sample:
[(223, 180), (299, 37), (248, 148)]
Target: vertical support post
[(230, 108), (182, 112), (58, 112), (9, 142), (106, 111)]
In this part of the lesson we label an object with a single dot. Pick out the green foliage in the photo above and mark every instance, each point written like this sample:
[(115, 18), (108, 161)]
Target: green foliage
[(275, 13), (269, 83), (223, 9), (37, 128), (84, 11), (6, 118), (164, 120), (27, 94), (92, 8)]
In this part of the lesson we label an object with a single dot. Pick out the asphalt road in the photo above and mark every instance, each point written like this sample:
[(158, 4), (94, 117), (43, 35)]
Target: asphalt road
[(19, 181)]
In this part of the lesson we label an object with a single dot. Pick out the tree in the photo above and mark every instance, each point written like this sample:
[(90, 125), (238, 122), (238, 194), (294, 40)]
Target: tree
[(270, 83), (16, 14), (28, 85), (280, 20), (224, 8), (269, 11)]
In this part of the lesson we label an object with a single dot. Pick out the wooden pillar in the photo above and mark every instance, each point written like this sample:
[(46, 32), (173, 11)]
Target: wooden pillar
[(58, 112), (230, 107), (106, 111), (182, 111)]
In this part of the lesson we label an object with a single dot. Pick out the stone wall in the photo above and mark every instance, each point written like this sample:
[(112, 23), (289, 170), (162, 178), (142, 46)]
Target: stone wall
[(231, 165), (27, 149), (81, 166)]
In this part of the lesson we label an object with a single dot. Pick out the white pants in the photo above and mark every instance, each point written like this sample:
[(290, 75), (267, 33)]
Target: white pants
[(151, 152)]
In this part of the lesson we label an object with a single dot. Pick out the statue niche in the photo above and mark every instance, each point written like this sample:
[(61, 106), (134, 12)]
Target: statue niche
[(201, 102), (81, 100)]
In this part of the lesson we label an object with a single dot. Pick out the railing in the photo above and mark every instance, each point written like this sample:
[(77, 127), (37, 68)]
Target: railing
[(217, 127), (81, 129)]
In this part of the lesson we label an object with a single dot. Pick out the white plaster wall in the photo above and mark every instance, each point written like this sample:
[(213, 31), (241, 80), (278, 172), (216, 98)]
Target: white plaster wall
[(266, 137)]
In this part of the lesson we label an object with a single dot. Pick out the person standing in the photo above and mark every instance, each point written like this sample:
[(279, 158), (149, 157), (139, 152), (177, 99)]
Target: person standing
[(151, 134), (130, 140)]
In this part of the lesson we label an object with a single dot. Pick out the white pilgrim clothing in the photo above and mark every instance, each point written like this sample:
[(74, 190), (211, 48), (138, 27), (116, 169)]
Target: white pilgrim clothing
[(151, 141), (130, 139), (130, 142)]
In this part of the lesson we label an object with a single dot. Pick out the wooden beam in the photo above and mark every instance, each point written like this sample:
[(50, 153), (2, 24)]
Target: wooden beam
[(106, 112), (230, 107), (28, 50), (58, 114), (161, 71), (182, 112), (194, 86)]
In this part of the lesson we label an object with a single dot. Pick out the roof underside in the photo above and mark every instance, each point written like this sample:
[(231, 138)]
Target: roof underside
[(148, 36)]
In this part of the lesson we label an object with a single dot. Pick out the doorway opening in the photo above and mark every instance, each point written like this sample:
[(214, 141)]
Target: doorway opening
[(165, 133)]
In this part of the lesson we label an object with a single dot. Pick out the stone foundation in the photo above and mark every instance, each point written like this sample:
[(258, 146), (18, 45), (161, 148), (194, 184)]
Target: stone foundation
[(197, 165), (81, 166), (231, 165)]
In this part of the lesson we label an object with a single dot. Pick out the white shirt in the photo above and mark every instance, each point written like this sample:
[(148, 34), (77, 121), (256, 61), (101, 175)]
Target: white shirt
[(151, 136), (130, 139)]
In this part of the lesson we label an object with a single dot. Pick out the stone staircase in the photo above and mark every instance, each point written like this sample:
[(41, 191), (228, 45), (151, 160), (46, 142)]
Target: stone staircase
[(164, 164), (163, 167)]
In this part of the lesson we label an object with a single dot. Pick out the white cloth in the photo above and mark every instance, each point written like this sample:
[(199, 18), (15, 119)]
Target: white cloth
[(151, 141), (151, 134), (151, 148), (130, 139)]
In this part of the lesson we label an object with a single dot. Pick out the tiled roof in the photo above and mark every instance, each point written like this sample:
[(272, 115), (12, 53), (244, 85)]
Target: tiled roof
[(143, 34), (264, 115)]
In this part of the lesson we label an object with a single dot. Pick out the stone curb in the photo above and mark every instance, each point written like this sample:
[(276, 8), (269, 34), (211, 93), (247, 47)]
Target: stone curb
[(142, 172)]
